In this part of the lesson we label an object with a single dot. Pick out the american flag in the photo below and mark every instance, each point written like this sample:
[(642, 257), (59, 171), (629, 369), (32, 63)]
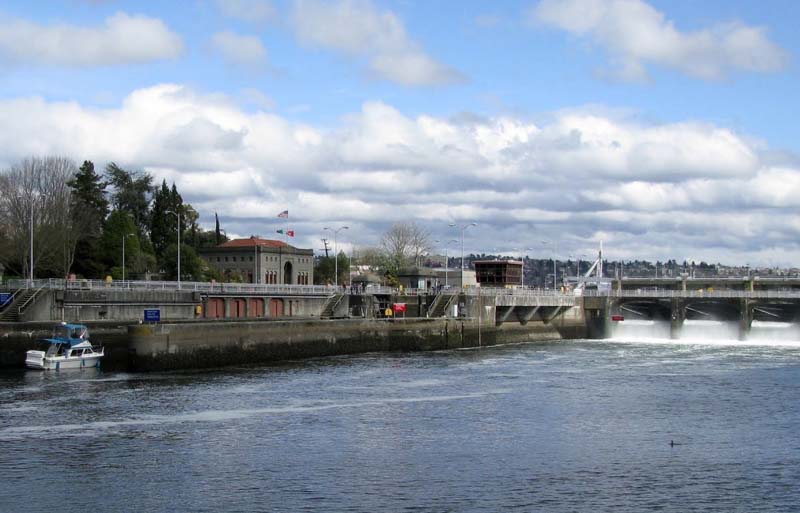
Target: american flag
[(285, 213)]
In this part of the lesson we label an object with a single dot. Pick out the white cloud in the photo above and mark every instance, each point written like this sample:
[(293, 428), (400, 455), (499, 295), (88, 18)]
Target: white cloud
[(241, 50), (358, 28), (123, 39), (649, 190), (636, 34), (251, 11), (256, 98)]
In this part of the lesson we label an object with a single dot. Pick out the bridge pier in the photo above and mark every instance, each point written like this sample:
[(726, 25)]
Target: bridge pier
[(502, 314), (526, 313), (745, 318), (677, 316)]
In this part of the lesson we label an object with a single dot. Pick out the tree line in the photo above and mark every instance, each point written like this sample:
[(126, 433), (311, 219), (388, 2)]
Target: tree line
[(79, 220)]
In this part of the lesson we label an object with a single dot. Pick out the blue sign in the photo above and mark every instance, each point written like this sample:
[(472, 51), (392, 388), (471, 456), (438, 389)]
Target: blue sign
[(152, 315), (5, 297)]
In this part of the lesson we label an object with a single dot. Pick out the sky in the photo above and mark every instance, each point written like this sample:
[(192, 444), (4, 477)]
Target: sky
[(661, 129)]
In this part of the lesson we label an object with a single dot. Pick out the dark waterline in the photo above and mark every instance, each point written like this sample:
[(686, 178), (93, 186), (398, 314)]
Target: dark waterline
[(571, 426)]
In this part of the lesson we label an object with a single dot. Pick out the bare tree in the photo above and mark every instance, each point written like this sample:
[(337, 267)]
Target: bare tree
[(35, 197), (403, 243)]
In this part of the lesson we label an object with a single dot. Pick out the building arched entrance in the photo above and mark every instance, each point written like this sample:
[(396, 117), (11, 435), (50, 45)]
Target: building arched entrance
[(287, 273)]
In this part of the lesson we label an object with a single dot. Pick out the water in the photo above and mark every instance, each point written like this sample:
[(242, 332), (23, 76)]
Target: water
[(570, 426)]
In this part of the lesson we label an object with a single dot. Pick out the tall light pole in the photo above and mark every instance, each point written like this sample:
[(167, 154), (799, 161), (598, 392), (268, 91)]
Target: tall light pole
[(555, 255), (178, 214), (123, 253), (463, 229), (446, 260), (336, 252), (31, 262)]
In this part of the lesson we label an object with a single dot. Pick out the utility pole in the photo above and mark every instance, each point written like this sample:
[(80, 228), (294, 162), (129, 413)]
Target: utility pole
[(325, 243)]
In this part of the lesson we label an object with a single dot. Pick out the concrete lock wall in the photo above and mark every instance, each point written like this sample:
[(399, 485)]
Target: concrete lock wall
[(92, 305), (213, 344), (129, 305)]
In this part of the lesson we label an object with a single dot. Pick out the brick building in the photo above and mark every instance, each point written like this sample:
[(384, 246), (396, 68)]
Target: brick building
[(262, 261)]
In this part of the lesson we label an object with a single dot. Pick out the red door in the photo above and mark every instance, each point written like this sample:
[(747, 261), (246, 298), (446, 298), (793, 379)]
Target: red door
[(275, 307), (215, 308), (256, 307)]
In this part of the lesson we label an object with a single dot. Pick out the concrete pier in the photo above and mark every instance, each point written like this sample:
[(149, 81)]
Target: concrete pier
[(202, 345)]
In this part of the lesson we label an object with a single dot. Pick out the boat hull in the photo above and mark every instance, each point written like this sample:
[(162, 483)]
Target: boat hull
[(42, 362)]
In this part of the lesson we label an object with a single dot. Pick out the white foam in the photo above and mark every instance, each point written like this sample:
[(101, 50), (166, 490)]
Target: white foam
[(635, 329), (92, 428)]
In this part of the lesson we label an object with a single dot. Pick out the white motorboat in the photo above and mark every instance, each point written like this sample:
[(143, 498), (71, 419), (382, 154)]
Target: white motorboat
[(68, 348)]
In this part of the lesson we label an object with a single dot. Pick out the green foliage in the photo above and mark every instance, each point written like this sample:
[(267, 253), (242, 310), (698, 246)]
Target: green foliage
[(325, 270), (132, 192), (164, 221), (120, 225), (89, 194), (90, 215), (191, 264), (90, 209)]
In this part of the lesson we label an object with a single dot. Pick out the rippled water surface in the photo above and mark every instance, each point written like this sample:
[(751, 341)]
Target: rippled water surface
[(569, 426)]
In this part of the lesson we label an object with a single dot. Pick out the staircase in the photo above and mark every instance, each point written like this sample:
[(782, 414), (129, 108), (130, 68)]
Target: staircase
[(21, 299), (330, 306), (440, 305)]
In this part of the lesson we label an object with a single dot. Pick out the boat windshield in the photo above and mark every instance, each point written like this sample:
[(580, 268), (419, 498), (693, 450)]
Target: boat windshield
[(71, 331), (55, 350)]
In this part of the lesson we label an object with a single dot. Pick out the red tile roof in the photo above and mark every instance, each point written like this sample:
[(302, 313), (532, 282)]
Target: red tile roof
[(253, 241)]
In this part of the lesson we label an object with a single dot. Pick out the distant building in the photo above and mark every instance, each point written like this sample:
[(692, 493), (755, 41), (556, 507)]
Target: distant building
[(499, 273), (451, 277), (262, 261), (418, 278)]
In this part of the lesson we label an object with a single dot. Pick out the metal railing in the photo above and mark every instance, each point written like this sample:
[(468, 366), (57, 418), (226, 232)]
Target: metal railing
[(329, 290), (207, 287), (714, 294)]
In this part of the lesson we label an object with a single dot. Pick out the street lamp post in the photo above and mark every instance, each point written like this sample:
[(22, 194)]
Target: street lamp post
[(178, 214), (555, 255), (446, 259), (463, 229), (336, 252), (123, 253), (31, 262)]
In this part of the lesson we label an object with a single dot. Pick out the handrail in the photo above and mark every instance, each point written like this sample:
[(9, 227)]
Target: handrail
[(449, 303), (10, 301), (328, 290), (21, 308)]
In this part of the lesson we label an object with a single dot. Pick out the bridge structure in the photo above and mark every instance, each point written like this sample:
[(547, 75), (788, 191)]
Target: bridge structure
[(740, 300)]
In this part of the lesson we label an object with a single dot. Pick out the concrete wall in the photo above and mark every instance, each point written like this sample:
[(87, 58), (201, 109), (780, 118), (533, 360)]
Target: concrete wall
[(94, 305), (129, 305), (212, 343), (199, 345)]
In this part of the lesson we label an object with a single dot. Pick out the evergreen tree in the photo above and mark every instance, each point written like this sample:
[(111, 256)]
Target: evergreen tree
[(89, 190), (90, 203), (118, 226), (132, 191), (162, 225)]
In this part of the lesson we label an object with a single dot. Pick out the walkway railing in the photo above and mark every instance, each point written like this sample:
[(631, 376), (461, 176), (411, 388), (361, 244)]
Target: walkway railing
[(327, 290), (715, 294), (207, 287)]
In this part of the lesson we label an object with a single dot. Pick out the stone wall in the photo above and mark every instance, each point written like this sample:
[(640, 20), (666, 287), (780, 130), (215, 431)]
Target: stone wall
[(199, 345)]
